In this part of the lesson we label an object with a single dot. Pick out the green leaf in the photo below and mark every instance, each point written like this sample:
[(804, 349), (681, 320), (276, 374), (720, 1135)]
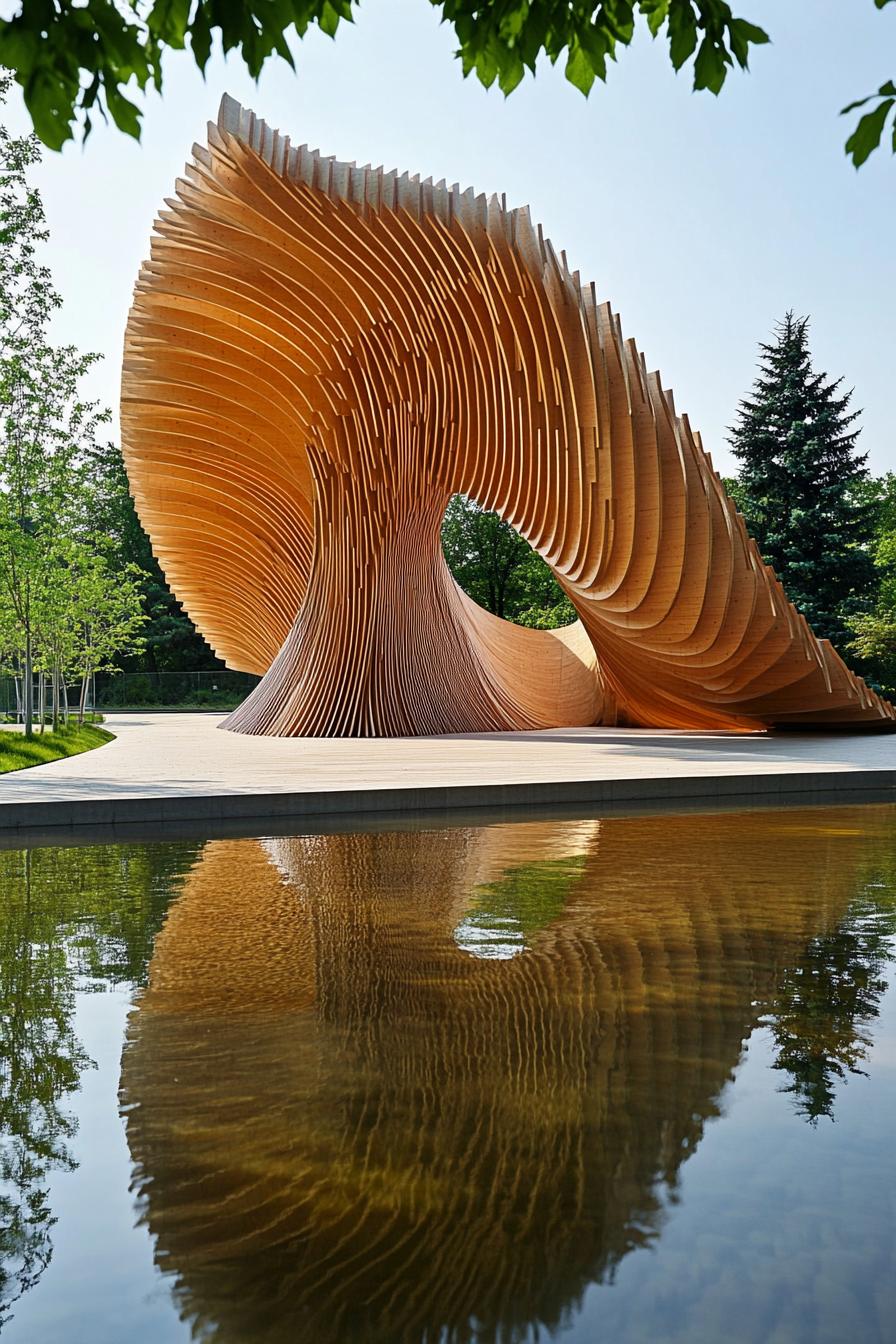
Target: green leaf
[(741, 35), (656, 12), (887, 90), (751, 31), (597, 45), (579, 70), (235, 21), (682, 33), (867, 135), (486, 68), (125, 115), (511, 24), (329, 19), (201, 38), (51, 108), (619, 21), (710, 67), (169, 20), (282, 49), (512, 72)]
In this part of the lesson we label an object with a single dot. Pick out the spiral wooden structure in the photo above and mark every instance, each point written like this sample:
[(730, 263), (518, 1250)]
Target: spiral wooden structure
[(344, 1126), (319, 356)]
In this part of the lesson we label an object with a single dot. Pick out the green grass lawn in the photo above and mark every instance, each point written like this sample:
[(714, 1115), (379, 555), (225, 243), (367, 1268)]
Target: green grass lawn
[(18, 752)]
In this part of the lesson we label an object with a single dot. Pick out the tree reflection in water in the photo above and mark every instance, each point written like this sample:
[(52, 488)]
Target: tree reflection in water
[(824, 1005), (69, 919), (346, 1127)]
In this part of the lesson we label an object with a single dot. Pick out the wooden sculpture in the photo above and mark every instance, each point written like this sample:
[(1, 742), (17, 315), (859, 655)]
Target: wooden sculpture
[(320, 356)]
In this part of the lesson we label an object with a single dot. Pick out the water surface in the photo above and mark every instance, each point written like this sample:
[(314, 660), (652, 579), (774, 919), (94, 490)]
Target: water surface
[(619, 1080)]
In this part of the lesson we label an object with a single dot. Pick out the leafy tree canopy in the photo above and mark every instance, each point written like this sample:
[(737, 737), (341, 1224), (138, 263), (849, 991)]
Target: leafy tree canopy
[(74, 58), (499, 569), (874, 631), (171, 643)]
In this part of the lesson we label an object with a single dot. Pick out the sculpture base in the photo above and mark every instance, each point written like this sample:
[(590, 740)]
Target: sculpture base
[(387, 645)]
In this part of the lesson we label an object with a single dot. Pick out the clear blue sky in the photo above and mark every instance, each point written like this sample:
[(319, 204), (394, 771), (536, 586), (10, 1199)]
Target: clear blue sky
[(701, 220)]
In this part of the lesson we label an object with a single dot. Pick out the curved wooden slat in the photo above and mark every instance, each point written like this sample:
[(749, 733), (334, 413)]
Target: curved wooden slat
[(319, 356)]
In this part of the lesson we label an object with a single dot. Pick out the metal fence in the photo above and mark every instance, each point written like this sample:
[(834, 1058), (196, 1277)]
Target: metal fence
[(11, 698), (144, 690), (172, 690)]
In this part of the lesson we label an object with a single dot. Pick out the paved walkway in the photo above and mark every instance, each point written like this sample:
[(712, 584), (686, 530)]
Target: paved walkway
[(181, 767)]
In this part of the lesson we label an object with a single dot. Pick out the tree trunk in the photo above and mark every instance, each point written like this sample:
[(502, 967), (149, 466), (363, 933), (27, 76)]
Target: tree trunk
[(64, 699), (28, 688), (42, 699), (55, 690), (82, 699)]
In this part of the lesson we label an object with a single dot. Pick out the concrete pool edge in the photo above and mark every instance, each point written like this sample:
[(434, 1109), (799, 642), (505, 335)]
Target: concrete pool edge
[(665, 791)]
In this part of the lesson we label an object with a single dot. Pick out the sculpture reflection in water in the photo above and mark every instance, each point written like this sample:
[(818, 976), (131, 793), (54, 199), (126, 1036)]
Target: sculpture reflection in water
[(429, 1086)]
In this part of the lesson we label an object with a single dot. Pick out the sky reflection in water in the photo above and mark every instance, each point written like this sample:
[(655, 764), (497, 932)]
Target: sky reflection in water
[(610, 1080)]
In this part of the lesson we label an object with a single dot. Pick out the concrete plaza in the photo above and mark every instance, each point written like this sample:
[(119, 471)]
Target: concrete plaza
[(182, 768)]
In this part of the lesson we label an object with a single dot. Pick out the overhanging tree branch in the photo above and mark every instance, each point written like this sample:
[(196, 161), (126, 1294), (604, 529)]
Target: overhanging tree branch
[(75, 60)]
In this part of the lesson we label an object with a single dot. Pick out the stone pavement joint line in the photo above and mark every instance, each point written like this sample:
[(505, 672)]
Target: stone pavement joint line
[(180, 767)]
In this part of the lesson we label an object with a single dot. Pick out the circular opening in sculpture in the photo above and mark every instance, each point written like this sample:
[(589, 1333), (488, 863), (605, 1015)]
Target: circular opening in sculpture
[(499, 570)]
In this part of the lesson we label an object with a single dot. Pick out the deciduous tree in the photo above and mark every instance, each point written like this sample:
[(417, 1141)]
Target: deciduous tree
[(874, 631), (53, 569)]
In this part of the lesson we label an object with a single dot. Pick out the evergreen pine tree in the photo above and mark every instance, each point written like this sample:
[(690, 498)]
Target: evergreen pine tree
[(799, 485)]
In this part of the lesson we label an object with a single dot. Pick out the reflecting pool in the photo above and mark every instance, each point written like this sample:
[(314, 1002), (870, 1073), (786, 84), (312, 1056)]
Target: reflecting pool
[(616, 1081)]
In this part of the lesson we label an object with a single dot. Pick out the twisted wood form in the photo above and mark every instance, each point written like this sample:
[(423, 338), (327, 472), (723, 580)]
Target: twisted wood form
[(319, 356)]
